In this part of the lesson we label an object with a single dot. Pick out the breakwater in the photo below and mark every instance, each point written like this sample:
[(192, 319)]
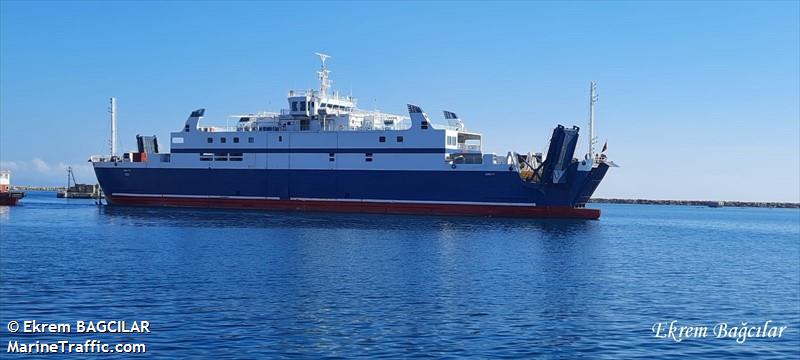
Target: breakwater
[(37, 188), (709, 203)]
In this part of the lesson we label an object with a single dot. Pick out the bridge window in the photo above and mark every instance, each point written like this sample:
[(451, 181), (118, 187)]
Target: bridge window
[(302, 106), (294, 105)]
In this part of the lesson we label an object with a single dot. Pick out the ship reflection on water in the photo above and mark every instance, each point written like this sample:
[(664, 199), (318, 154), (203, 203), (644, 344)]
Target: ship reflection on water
[(312, 285), (218, 218)]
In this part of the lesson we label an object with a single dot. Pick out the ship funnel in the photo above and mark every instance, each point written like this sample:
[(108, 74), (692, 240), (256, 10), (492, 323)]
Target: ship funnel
[(418, 118), (194, 120)]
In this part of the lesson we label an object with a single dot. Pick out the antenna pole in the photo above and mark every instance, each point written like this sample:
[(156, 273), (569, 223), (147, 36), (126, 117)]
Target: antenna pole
[(113, 111), (324, 82), (592, 102)]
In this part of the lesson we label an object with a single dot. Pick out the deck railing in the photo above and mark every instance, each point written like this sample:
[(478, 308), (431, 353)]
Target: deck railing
[(100, 158)]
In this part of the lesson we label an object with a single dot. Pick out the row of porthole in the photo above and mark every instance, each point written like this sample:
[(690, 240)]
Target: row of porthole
[(383, 139), (280, 138), (235, 140), (249, 139), (224, 140), (367, 157)]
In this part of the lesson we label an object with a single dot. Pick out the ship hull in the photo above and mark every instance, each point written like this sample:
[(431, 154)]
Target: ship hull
[(476, 193), (10, 198)]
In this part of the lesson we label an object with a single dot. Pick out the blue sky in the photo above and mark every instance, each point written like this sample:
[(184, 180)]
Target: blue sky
[(698, 100)]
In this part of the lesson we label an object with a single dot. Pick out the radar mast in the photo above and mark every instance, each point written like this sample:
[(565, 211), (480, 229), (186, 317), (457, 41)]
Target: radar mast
[(324, 82)]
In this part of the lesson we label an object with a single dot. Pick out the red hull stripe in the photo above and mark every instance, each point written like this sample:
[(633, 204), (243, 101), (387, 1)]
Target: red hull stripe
[(361, 207)]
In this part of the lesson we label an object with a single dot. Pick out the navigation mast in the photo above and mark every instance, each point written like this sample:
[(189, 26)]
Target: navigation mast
[(113, 111), (324, 82), (592, 102)]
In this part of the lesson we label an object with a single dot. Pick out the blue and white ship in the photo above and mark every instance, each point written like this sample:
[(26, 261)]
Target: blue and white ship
[(323, 153)]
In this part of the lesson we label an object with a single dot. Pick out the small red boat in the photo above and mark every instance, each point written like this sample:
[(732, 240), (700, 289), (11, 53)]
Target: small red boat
[(8, 197)]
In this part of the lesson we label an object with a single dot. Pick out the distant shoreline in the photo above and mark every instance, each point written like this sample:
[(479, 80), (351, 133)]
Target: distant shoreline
[(709, 203)]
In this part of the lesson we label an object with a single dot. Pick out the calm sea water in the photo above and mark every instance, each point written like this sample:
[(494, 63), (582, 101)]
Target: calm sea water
[(234, 284)]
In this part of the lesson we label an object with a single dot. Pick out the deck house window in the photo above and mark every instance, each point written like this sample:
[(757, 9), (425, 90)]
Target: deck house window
[(331, 157), (222, 140), (210, 140), (236, 140), (399, 139), (250, 140), (368, 157), (382, 139)]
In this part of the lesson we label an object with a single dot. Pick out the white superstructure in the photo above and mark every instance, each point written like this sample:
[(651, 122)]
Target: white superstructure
[(323, 119)]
